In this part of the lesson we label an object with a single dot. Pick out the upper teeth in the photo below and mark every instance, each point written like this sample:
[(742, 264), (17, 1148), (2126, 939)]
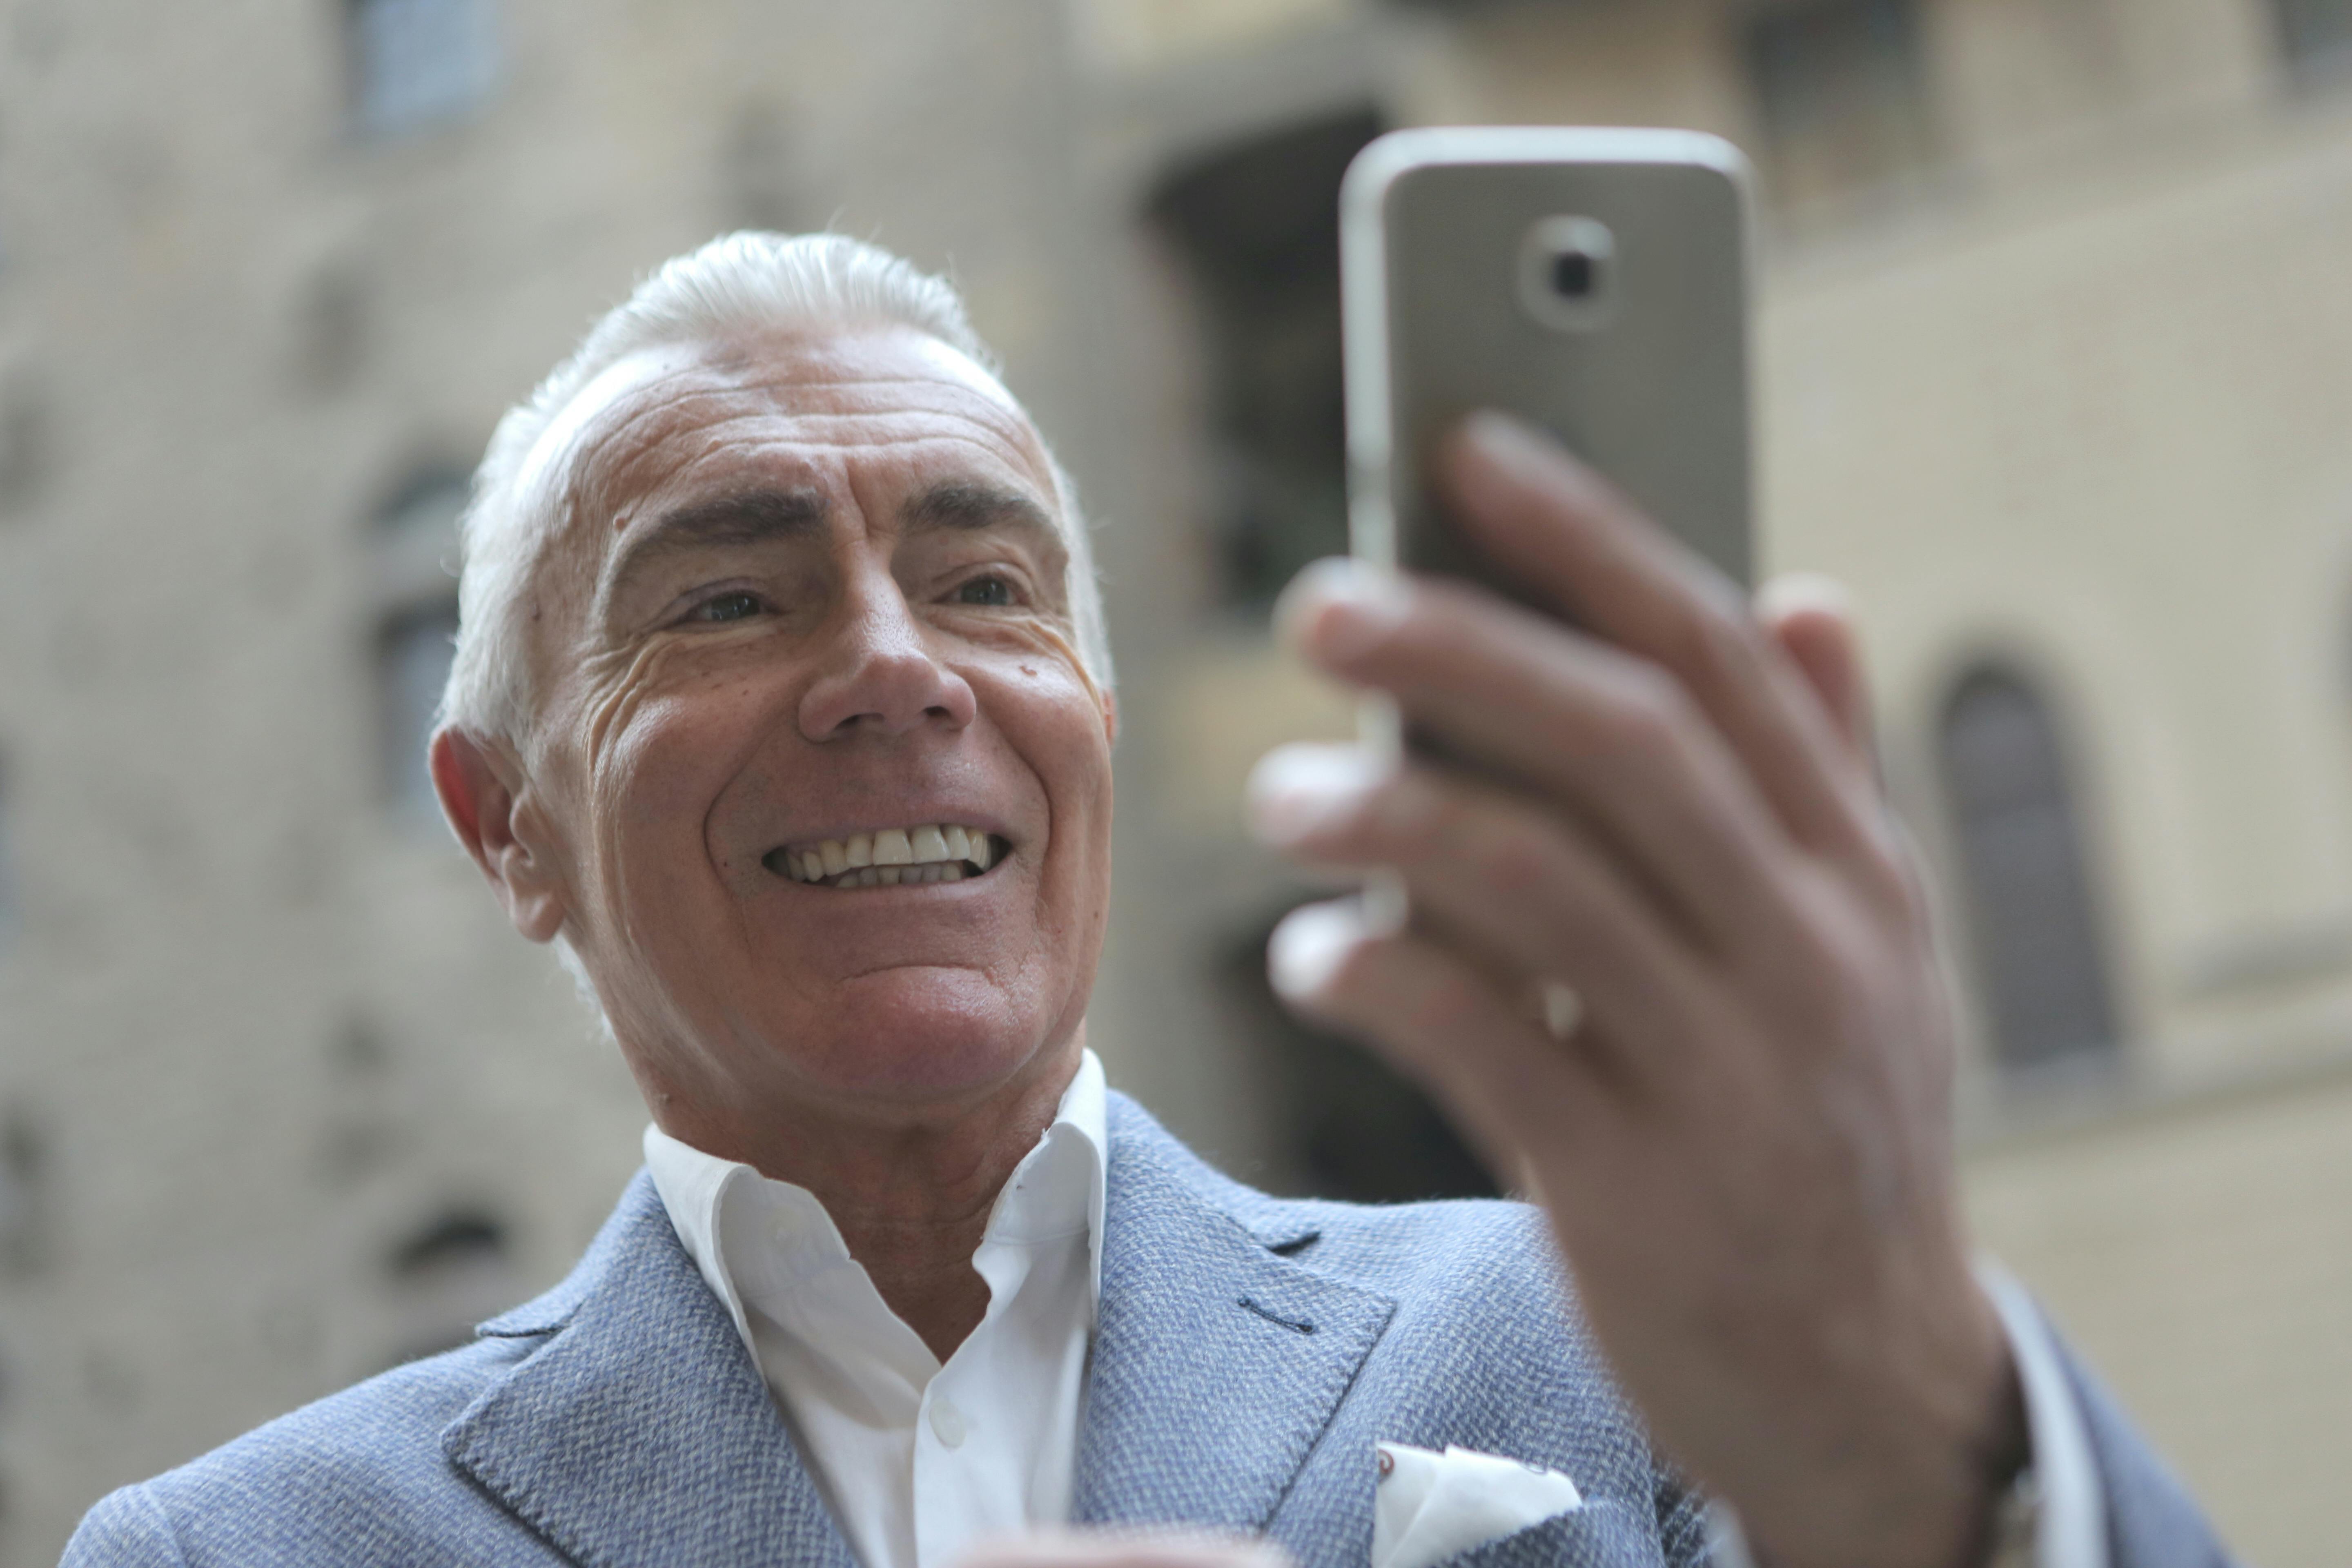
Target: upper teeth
[(944, 846)]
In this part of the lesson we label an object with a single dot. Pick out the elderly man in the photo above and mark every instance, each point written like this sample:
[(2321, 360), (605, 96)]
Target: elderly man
[(783, 704)]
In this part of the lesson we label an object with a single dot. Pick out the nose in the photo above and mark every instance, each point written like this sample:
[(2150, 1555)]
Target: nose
[(879, 678)]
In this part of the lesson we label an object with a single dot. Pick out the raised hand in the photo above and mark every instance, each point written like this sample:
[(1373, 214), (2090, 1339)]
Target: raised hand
[(1668, 965)]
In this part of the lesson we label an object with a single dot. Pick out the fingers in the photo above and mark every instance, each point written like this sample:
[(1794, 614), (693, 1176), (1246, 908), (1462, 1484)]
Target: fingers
[(1538, 513), (1578, 723), (1811, 619), (1506, 1082), (1515, 884)]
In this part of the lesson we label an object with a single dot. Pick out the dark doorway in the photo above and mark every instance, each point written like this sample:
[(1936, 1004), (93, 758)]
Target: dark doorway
[(1257, 222), (1357, 1130)]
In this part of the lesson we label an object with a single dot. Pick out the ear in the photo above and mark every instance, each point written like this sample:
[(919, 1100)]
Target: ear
[(1110, 717), (484, 796)]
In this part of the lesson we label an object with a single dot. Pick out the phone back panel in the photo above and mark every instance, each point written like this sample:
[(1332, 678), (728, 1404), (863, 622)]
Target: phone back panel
[(1649, 380)]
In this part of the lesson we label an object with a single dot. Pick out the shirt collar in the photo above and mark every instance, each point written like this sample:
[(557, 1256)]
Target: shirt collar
[(1055, 1191)]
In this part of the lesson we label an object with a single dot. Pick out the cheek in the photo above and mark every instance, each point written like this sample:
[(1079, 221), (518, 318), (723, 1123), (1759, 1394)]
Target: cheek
[(664, 762), (1052, 716)]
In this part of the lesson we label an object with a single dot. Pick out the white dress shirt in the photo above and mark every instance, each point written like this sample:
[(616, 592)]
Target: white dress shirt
[(920, 1461), (2071, 1527)]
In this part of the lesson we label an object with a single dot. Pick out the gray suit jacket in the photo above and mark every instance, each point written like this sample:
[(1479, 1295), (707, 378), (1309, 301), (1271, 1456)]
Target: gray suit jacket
[(1248, 1353)]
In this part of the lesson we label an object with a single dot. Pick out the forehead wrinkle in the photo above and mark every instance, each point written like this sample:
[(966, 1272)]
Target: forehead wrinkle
[(647, 433), (680, 417), (628, 443), (813, 362), (799, 366)]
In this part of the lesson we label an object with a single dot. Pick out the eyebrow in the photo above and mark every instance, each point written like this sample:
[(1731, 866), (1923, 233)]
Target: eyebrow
[(747, 517), (961, 504)]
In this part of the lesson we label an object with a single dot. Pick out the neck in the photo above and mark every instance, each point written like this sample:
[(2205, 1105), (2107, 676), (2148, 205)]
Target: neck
[(910, 1192)]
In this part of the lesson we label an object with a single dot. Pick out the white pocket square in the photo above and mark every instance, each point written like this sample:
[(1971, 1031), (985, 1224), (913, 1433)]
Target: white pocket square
[(1432, 1506)]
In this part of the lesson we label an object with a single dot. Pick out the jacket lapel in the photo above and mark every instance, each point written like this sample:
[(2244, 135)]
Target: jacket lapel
[(639, 1432), (1217, 1363)]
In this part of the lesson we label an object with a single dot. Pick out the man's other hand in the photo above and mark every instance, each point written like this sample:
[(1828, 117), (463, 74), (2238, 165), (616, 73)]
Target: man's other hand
[(1668, 964)]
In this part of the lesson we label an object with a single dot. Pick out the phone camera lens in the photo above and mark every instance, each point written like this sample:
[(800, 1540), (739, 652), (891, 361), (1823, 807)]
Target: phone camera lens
[(1568, 273), (1573, 274)]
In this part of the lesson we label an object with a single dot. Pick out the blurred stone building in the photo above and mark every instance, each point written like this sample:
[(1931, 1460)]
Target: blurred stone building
[(2056, 372)]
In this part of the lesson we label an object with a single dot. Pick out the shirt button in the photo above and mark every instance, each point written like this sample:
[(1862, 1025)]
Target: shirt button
[(946, 1421)]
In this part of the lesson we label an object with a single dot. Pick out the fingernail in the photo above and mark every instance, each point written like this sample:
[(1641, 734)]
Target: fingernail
[(1308, 947), (1296, 789), (1520, 450), (1794, 591), (1339, 608)]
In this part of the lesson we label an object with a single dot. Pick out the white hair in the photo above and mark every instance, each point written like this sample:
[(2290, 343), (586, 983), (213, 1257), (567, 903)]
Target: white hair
[(738, 284)]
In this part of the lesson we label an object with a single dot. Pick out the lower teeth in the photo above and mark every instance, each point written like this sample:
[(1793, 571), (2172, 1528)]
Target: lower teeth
[(899, 876)]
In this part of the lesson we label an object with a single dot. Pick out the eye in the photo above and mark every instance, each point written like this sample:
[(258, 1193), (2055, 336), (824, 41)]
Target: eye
[(991, 590), (725, 607)]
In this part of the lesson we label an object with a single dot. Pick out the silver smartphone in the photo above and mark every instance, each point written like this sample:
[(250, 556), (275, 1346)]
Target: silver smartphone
[(1594, 282)]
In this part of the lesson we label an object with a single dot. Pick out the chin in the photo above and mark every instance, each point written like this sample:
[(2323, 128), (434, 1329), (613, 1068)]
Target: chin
[(916, 1035)]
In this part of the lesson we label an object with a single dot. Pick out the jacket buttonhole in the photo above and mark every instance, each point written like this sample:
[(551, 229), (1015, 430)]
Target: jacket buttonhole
[(1295, 1325)]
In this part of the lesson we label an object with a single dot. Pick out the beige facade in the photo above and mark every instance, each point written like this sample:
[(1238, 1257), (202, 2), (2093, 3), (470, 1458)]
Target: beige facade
[(2056, 372)]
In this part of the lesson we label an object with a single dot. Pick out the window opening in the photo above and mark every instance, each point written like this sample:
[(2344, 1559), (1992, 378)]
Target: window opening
[(2040, 961), (452, 1270), (417, 63), (1257, 224), (23, 1167), (415, 545), (1841, 92), (1356, 1130), (451, 1241), (9, 912), (2315, 35)]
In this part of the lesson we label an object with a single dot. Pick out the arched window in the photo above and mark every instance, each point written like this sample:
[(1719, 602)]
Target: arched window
[(416, 546), (2041, 963)]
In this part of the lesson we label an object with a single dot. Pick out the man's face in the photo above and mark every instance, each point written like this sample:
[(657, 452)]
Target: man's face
[(807, 610)]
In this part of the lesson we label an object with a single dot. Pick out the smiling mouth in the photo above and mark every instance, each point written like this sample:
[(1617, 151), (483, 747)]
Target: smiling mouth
[(895, 857)]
